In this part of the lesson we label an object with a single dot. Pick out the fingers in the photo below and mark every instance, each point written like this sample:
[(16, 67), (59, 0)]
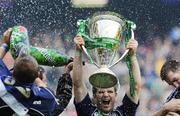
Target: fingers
[(132, 44), (173, 105), (172, 114), (79, 41), (7, 32), (6, 36)]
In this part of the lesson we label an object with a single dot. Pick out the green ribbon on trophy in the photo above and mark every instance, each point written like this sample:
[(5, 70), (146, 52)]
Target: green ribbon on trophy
[(102, 33), (19, 44), (130, 26)]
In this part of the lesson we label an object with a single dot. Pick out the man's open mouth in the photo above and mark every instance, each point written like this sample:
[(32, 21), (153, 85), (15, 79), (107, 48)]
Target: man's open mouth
[(106, 102)]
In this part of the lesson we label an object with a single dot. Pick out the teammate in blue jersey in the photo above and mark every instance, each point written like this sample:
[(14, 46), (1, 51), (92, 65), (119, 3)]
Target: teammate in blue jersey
[(104, 98), (20, 95), (170, 73)]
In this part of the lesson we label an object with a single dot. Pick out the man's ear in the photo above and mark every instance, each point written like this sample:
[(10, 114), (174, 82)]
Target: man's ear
[(94, 95), (40, 75), (116, 93), (94, 100)]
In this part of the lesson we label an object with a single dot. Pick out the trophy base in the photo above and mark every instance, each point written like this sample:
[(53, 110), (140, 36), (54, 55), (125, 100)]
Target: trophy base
[(103, 78)]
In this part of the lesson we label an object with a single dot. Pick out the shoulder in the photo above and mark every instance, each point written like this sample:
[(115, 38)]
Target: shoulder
[(4, 69), (128, 107), (86, 100), (8, 80), (127, 100), (43, 92), (85, 107)]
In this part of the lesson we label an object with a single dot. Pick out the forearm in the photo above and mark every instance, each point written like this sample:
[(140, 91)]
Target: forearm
[(3, 50), (137, 79), (79, 87), (77, 68), (2, 53), (161, 112)]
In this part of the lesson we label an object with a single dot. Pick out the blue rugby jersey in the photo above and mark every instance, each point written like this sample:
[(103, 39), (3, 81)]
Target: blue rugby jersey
[(86, 108), (40, 99), (174, 94), (3, 69)]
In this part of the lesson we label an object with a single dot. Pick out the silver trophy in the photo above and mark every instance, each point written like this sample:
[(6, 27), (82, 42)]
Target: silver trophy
[(102, 33)]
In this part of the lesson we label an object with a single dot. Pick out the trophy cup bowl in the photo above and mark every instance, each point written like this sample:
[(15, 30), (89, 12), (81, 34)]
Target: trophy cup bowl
[(103, 78), (105, 31)]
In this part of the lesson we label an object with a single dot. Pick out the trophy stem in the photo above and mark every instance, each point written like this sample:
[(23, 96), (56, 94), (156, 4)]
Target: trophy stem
[(112, 58)]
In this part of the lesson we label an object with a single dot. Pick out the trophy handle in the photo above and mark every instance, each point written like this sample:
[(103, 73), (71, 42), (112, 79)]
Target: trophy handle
[(81, 31), (90, 58), (126, 51)]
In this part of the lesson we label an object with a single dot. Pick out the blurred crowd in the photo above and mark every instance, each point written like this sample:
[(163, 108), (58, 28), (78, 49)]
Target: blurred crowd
[(151, 55)]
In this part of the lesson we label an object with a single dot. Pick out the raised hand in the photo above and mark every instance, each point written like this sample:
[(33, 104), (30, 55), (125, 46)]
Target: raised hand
[(132, 46), (79, 41), (6, 36)]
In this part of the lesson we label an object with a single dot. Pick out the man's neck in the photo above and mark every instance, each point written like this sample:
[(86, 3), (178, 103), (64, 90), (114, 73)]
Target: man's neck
[(100, 113)]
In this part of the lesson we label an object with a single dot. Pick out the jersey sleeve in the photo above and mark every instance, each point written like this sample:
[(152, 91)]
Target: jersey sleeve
[(85, 107), (3, 69), (128, 108)]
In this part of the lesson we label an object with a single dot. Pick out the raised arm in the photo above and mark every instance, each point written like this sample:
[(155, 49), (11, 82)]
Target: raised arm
[(80, 89), (64, 90), (132, 45), (5, 43)]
